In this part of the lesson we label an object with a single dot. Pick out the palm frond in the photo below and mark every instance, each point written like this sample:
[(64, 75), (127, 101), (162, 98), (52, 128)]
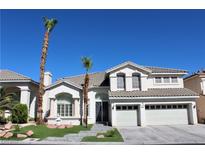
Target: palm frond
[(49, 23), (87, 63)]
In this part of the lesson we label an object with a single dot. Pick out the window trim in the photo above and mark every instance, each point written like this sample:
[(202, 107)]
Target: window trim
[(177, 80), (124, 80), (66, 102), (166, 83), (158, 82), (139, 80)]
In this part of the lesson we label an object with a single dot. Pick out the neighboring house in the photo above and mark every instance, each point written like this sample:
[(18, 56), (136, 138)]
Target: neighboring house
[(125, 95), (25, 88), (196, 82)]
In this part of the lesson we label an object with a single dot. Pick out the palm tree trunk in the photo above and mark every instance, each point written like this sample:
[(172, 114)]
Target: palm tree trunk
[(41, 86), (85, 89)]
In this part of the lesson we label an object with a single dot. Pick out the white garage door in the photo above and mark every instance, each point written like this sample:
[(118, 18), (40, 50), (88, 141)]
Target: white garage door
[(166, 114), (126, 115)]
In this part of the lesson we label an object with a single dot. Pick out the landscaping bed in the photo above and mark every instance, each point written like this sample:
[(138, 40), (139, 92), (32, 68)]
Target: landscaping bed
[(109, 136), (42, 131)]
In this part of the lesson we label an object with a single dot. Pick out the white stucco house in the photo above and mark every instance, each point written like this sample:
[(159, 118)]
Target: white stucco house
[(125, 95)]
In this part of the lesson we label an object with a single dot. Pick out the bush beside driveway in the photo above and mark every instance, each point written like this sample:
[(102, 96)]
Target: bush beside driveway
[(170, 134)]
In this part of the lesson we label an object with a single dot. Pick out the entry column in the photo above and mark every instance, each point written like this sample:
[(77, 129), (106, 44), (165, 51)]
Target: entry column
[(76, 107), (192, 113), (142, 115), (25, 96), (53, 109), (113, 112)]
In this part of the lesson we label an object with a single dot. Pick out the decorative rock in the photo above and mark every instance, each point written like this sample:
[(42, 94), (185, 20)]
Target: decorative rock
[(100, 136), (21, 136), (61, 126), (8, 135), (51, 126), (2, 128), (8, 126), (69, 126), (2, 134), (29, 133)]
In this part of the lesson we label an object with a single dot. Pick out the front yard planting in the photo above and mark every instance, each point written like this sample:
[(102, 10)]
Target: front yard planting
[(109, 136), (42, 131)]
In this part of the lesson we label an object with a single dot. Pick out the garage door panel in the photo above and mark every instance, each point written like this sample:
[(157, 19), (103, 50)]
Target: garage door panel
[(126, 115), (127, 118), (167, 116)]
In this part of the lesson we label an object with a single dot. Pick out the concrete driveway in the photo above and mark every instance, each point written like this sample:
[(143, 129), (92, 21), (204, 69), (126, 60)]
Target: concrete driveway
[(173, 134)]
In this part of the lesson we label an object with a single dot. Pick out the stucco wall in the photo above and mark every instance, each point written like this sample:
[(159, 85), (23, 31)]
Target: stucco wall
[(147, 80), (196, 85), (51, 93), (193, 84)]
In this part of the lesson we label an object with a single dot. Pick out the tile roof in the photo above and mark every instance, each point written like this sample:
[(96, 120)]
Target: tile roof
[(96, 79), (200, 74), (165, 70), (159, 92), (11, 76)]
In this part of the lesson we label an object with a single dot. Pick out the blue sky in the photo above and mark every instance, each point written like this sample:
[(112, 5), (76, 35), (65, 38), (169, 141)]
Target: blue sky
[(165, 38)]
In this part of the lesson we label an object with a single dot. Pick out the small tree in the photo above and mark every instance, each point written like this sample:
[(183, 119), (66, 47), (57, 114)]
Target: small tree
[(87, 63), (7, 100), (20, 113)]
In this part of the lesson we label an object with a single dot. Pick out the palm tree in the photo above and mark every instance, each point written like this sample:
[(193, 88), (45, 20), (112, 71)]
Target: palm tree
[(49, 25), (7, 100), (87, 63)]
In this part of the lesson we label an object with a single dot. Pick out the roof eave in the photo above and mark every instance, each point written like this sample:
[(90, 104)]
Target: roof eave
[(21, 81), (60, 82), (164, 97), (170, 73)]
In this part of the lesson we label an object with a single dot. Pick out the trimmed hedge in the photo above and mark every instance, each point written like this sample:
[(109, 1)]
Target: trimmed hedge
[(19, 114)]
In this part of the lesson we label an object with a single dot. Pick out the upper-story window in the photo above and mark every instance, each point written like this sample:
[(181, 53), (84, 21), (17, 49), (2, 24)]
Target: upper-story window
[(174, 79), (165, 80), (158, 80), (120, 81), (136, 81)]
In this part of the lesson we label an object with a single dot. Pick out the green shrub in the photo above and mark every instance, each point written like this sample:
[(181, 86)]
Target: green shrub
[(1, 113), (17, 128), (2, 120), (19, 113), (9, 118), (110, 133)]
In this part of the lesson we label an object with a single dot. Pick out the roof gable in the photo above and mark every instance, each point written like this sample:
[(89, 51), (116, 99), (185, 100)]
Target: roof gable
[(129, 63)]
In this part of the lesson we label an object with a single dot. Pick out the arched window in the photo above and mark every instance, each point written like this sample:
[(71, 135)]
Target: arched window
[(136, 81), (64, 104), (121, 81)]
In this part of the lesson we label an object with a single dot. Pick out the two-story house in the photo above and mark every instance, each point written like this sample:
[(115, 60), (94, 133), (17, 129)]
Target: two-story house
[(196, 82), (125, 95)]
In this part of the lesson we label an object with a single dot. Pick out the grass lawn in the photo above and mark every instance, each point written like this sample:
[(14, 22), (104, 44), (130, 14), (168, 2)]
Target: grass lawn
[(115, 138), (41, 131)]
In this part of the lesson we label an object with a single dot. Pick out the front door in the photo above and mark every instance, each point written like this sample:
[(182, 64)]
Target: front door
[(102, 112)]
